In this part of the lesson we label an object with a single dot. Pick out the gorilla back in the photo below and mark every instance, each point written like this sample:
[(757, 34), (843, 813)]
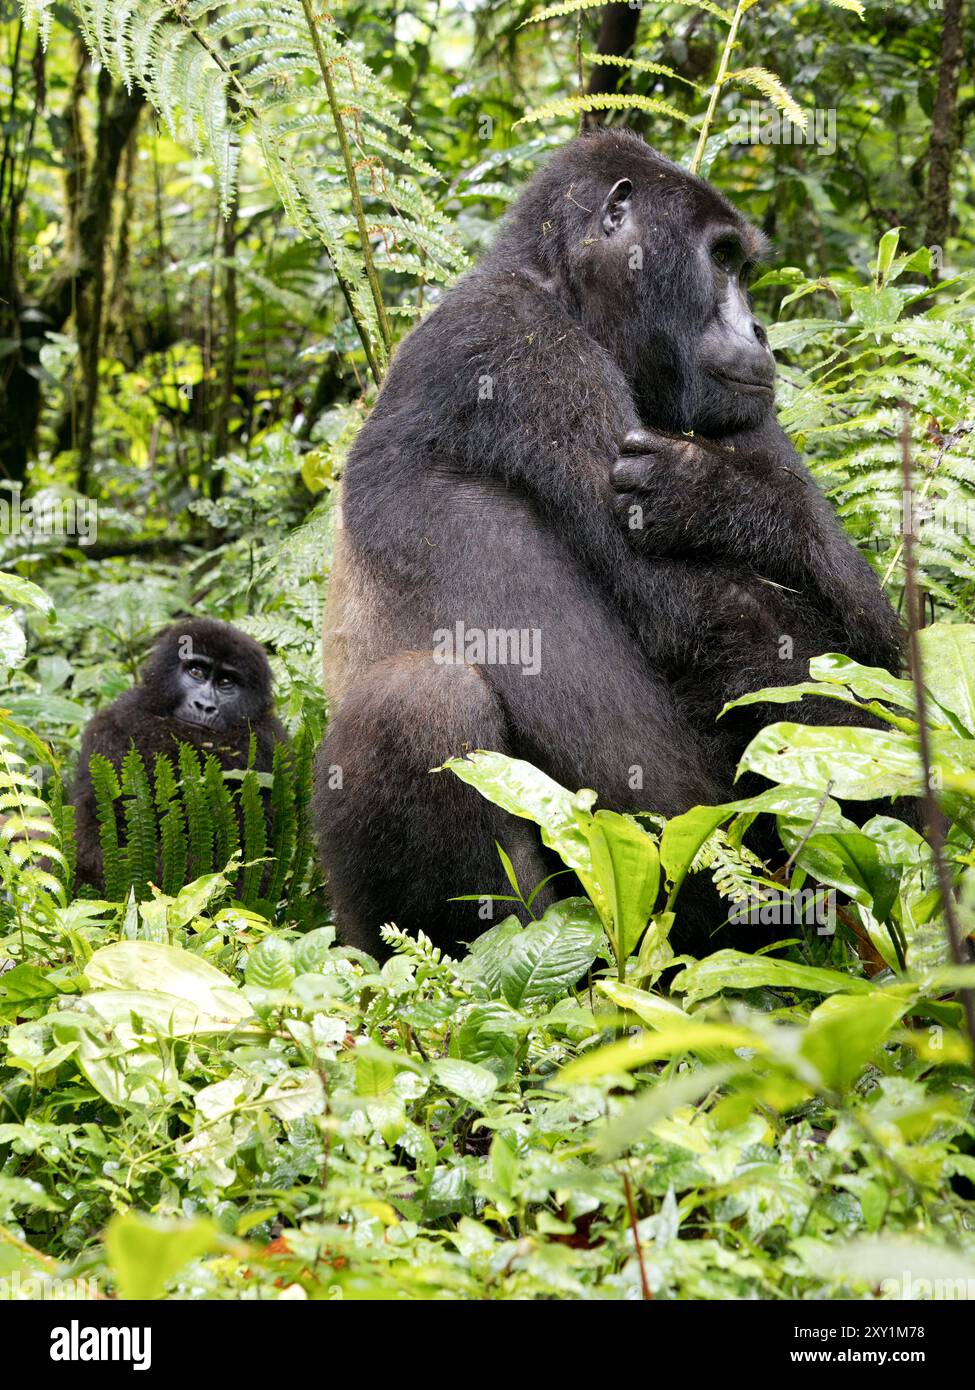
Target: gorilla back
[(534, 558)]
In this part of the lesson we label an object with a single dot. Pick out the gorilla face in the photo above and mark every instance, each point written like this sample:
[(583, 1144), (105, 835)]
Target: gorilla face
[(697, 337), (660, 277), (207, 674), (207, 694), (734, 372)]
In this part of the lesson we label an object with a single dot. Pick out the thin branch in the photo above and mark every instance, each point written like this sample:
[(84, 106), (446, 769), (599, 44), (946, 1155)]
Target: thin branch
[(631, 1211), (719, 78), (932, 809), (372, 274), (246, 102)]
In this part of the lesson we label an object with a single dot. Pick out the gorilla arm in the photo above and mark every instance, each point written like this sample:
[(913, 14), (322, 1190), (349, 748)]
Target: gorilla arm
[(754, 505)]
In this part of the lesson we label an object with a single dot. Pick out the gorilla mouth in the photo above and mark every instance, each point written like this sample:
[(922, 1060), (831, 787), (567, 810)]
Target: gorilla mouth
[(752, 386), (197, 723)]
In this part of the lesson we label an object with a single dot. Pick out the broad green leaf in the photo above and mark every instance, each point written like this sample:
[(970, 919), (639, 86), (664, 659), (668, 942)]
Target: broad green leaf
[(471, 1082), (270, 964), (948, 660), (190, 901), (489, 1036), (850, 861), (13, 642), (652, 1008), (738, 970), (877, 309), (147, 1252), (485, 960), (846, 1031), (684, 835), (626, 864), (861, 764), (374, 1071), (688, 1036), (140, 1014), (866, 682), (639, 1116), (525, 791), (21, 593), (162, 969), (886, 251), (546, 958)]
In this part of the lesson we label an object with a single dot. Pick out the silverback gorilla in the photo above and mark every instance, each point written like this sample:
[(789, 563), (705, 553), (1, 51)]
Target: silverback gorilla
[(205, 684), (527, 469)]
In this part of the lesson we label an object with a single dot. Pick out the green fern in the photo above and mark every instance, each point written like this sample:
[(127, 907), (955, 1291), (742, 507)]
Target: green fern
[(199, 826), (106, 790), (284, 821), (192, 819), (30, 845), (172, 826), (429, 959), (224, 818), (303, 753), (140, 825), (843, 403), (348, 171), (254, 835), (725, 78)]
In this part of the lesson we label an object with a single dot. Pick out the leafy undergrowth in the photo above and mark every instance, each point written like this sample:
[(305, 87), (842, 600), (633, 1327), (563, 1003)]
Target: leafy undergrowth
[(196, 1106)]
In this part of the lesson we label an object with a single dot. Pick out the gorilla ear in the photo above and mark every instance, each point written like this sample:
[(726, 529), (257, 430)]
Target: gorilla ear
[(616, 208)]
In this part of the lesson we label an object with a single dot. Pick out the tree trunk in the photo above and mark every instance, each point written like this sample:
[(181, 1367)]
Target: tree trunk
[(617, 35), (221, 434), (19, 388), (944, 125), (76, 286)]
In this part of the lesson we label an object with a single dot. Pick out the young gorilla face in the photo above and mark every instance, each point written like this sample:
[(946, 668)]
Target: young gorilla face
[(209, 693), (207, 675)]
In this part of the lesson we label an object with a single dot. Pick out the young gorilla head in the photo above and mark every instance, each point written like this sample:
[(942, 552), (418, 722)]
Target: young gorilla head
[(204, 684), (208, 675), (655, 265)]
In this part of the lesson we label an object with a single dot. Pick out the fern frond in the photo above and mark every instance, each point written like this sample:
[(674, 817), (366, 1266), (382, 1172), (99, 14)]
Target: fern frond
[(254, 837), (106, 789), (140, 825), (577, 6), (772, 87), (603, 101), (613, 60)]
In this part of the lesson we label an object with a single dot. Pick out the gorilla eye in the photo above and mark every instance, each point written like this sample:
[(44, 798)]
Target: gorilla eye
[(726, 254), (196, 671), (226, 683)]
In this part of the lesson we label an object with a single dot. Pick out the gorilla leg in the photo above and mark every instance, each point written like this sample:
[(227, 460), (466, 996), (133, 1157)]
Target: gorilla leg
[(396, 840)]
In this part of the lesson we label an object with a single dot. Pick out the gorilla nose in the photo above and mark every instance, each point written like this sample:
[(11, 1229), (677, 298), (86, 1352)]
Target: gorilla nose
[(204, 709), (747, 364)]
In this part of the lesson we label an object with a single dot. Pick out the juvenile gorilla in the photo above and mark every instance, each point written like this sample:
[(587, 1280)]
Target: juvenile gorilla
[(205, 684), (526, 469)]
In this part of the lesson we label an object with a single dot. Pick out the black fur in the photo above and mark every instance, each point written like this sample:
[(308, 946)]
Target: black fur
[(144, 717), (492, 486)]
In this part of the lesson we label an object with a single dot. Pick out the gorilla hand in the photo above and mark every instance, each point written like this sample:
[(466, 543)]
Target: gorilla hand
[(680, 496)]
